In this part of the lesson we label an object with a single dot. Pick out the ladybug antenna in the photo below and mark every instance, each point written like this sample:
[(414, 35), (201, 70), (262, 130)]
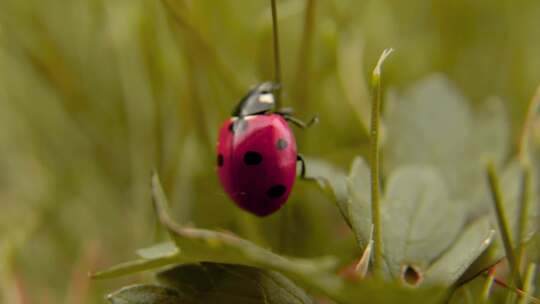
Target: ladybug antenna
[(277, 59)]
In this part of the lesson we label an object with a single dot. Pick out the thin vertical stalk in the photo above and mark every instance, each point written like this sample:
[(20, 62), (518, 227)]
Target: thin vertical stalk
[(303, 69), (286, 214), (374, 153), (525, 198), (528, 286), (502, 221), (277, 57)]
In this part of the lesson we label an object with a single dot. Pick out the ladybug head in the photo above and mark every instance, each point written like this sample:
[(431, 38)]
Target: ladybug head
[(258, 100)]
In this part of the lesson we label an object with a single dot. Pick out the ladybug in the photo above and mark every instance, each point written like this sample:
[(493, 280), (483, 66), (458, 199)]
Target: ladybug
[(256, 152)]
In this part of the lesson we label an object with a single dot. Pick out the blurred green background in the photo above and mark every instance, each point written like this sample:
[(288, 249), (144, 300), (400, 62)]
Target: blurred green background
[(94, 94)]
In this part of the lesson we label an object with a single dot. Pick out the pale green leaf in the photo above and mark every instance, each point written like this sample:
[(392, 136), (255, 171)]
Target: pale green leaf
[(453, 263), (199, 245), (359, 204), (136, 266), (491, 132), (432, 124), (225, 283), (148, 294), (331, 180), (419, 221), (165, 249), (429, 125)]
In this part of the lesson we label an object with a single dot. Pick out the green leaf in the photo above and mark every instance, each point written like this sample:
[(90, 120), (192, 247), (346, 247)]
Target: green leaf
[(225, 283), (210, 282), (205, 245), (148, 294), (419, 221), (198, 245), (429, 125), (359, 204), (165, 249), (157, 256), (466, 249), (432, 124), (136, 266), (331, 180), (422, 226), (316, 275), (491, 256), (491, 132)]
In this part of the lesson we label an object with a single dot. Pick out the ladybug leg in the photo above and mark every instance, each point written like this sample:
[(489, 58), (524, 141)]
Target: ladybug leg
[(300, 159), (285, 111), (299, 123)]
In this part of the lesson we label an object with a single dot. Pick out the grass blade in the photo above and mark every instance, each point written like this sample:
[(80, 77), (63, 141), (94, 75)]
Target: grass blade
[(528, 287), (502, 221), (525, 198), (486, 289), (525, 135)]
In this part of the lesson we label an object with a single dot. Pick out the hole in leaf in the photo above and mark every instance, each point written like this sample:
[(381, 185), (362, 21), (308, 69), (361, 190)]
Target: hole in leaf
[(411, 275)]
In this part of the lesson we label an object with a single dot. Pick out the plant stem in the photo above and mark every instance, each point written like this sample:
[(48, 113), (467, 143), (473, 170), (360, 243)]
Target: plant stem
[(277, 57), (375, 162), (524, 137), (525, 198), (528, 285), (302, 80), (504, 228), (486, 290)]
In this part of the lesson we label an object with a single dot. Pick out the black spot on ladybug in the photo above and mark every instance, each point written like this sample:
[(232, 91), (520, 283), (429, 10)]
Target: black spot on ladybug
[(220, 160), (276, 191), (281, 144), (252, 158), (238, 126)]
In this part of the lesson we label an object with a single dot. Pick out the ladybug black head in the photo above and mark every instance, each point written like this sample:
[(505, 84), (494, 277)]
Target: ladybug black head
[(259, 100)]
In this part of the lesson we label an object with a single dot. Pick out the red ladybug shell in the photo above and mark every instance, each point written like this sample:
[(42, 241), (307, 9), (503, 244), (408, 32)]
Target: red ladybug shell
[(257, 162)]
